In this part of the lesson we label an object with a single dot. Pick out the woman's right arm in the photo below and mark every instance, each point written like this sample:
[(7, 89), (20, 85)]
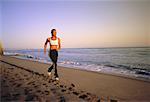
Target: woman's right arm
[(45, 45)]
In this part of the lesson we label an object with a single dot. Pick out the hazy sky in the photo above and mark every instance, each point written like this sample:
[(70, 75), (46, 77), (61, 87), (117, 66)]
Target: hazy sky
[(27, 24)]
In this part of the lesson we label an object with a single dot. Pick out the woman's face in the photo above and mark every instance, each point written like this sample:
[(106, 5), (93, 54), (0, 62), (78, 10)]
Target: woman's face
[(54, 33)]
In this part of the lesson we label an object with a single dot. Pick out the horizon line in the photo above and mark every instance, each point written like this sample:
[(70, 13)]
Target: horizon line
[(77, 48)]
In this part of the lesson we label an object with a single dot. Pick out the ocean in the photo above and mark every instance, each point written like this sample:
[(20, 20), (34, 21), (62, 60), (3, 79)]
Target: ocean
[(134, 62)]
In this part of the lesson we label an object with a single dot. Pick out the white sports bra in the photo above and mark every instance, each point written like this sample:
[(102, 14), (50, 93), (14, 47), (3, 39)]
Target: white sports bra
[(53, 42)]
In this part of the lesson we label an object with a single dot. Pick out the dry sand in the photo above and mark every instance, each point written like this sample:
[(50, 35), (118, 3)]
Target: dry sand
[(28, 80)]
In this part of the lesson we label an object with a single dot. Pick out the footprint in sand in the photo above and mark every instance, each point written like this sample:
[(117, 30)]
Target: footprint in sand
[(18, 85), (72, 85), (70, 89), (75, 93), (26, 91), (112, 100), (62, 99), (47, 92), (83, 96), (61, 86), (35, 86), (63, 90), (31, 97)]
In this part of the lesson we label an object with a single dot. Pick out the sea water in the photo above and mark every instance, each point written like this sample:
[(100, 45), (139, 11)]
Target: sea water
[(133, 62)]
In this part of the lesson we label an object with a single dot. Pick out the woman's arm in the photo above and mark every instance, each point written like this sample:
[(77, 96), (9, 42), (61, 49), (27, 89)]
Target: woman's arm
[(59, 44), (45, 45)]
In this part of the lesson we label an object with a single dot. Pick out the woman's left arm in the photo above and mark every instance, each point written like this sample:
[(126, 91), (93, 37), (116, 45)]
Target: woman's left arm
[(59, 44)]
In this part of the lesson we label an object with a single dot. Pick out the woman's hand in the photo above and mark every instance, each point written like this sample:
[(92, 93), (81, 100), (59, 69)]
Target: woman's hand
[(44, 52), (58, 49), (44, 49)]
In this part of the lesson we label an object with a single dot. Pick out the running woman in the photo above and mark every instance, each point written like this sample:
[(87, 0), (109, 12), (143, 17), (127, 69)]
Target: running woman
[(55, 45)]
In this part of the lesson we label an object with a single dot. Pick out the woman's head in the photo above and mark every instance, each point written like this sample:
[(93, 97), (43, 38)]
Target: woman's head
[(53, 32)]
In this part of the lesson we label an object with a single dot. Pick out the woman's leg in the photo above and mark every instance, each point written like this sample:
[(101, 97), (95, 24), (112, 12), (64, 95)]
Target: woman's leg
[(51, 67), (54, 57), (56, 74), (55, 63)]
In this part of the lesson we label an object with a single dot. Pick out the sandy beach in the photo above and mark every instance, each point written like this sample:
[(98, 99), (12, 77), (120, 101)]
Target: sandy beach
[(25, 80)]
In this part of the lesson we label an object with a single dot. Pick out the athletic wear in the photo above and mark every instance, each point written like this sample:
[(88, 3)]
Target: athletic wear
[(53, 42), (53, 54), (57, 78), (49, 73)]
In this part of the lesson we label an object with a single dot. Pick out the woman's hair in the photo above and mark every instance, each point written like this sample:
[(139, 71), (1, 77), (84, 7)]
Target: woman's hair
[(52, 31)]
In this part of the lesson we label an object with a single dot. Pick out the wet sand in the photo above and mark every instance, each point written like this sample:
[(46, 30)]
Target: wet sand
[(26, 80)]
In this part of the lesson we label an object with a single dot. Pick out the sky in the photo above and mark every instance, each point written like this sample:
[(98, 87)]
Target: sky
[(79, 24)]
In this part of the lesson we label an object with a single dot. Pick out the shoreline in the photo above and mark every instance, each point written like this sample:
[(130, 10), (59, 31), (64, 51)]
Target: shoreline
[(123, 67), (76, 68), (100, 84)]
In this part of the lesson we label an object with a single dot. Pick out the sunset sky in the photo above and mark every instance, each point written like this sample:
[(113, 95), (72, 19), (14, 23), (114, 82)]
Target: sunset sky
[(79, 24)]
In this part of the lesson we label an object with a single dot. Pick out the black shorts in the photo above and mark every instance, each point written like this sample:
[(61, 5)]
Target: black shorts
[(53, 54)]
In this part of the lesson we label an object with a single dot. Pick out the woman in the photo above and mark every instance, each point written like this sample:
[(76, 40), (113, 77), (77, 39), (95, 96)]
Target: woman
[(54, 42)]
